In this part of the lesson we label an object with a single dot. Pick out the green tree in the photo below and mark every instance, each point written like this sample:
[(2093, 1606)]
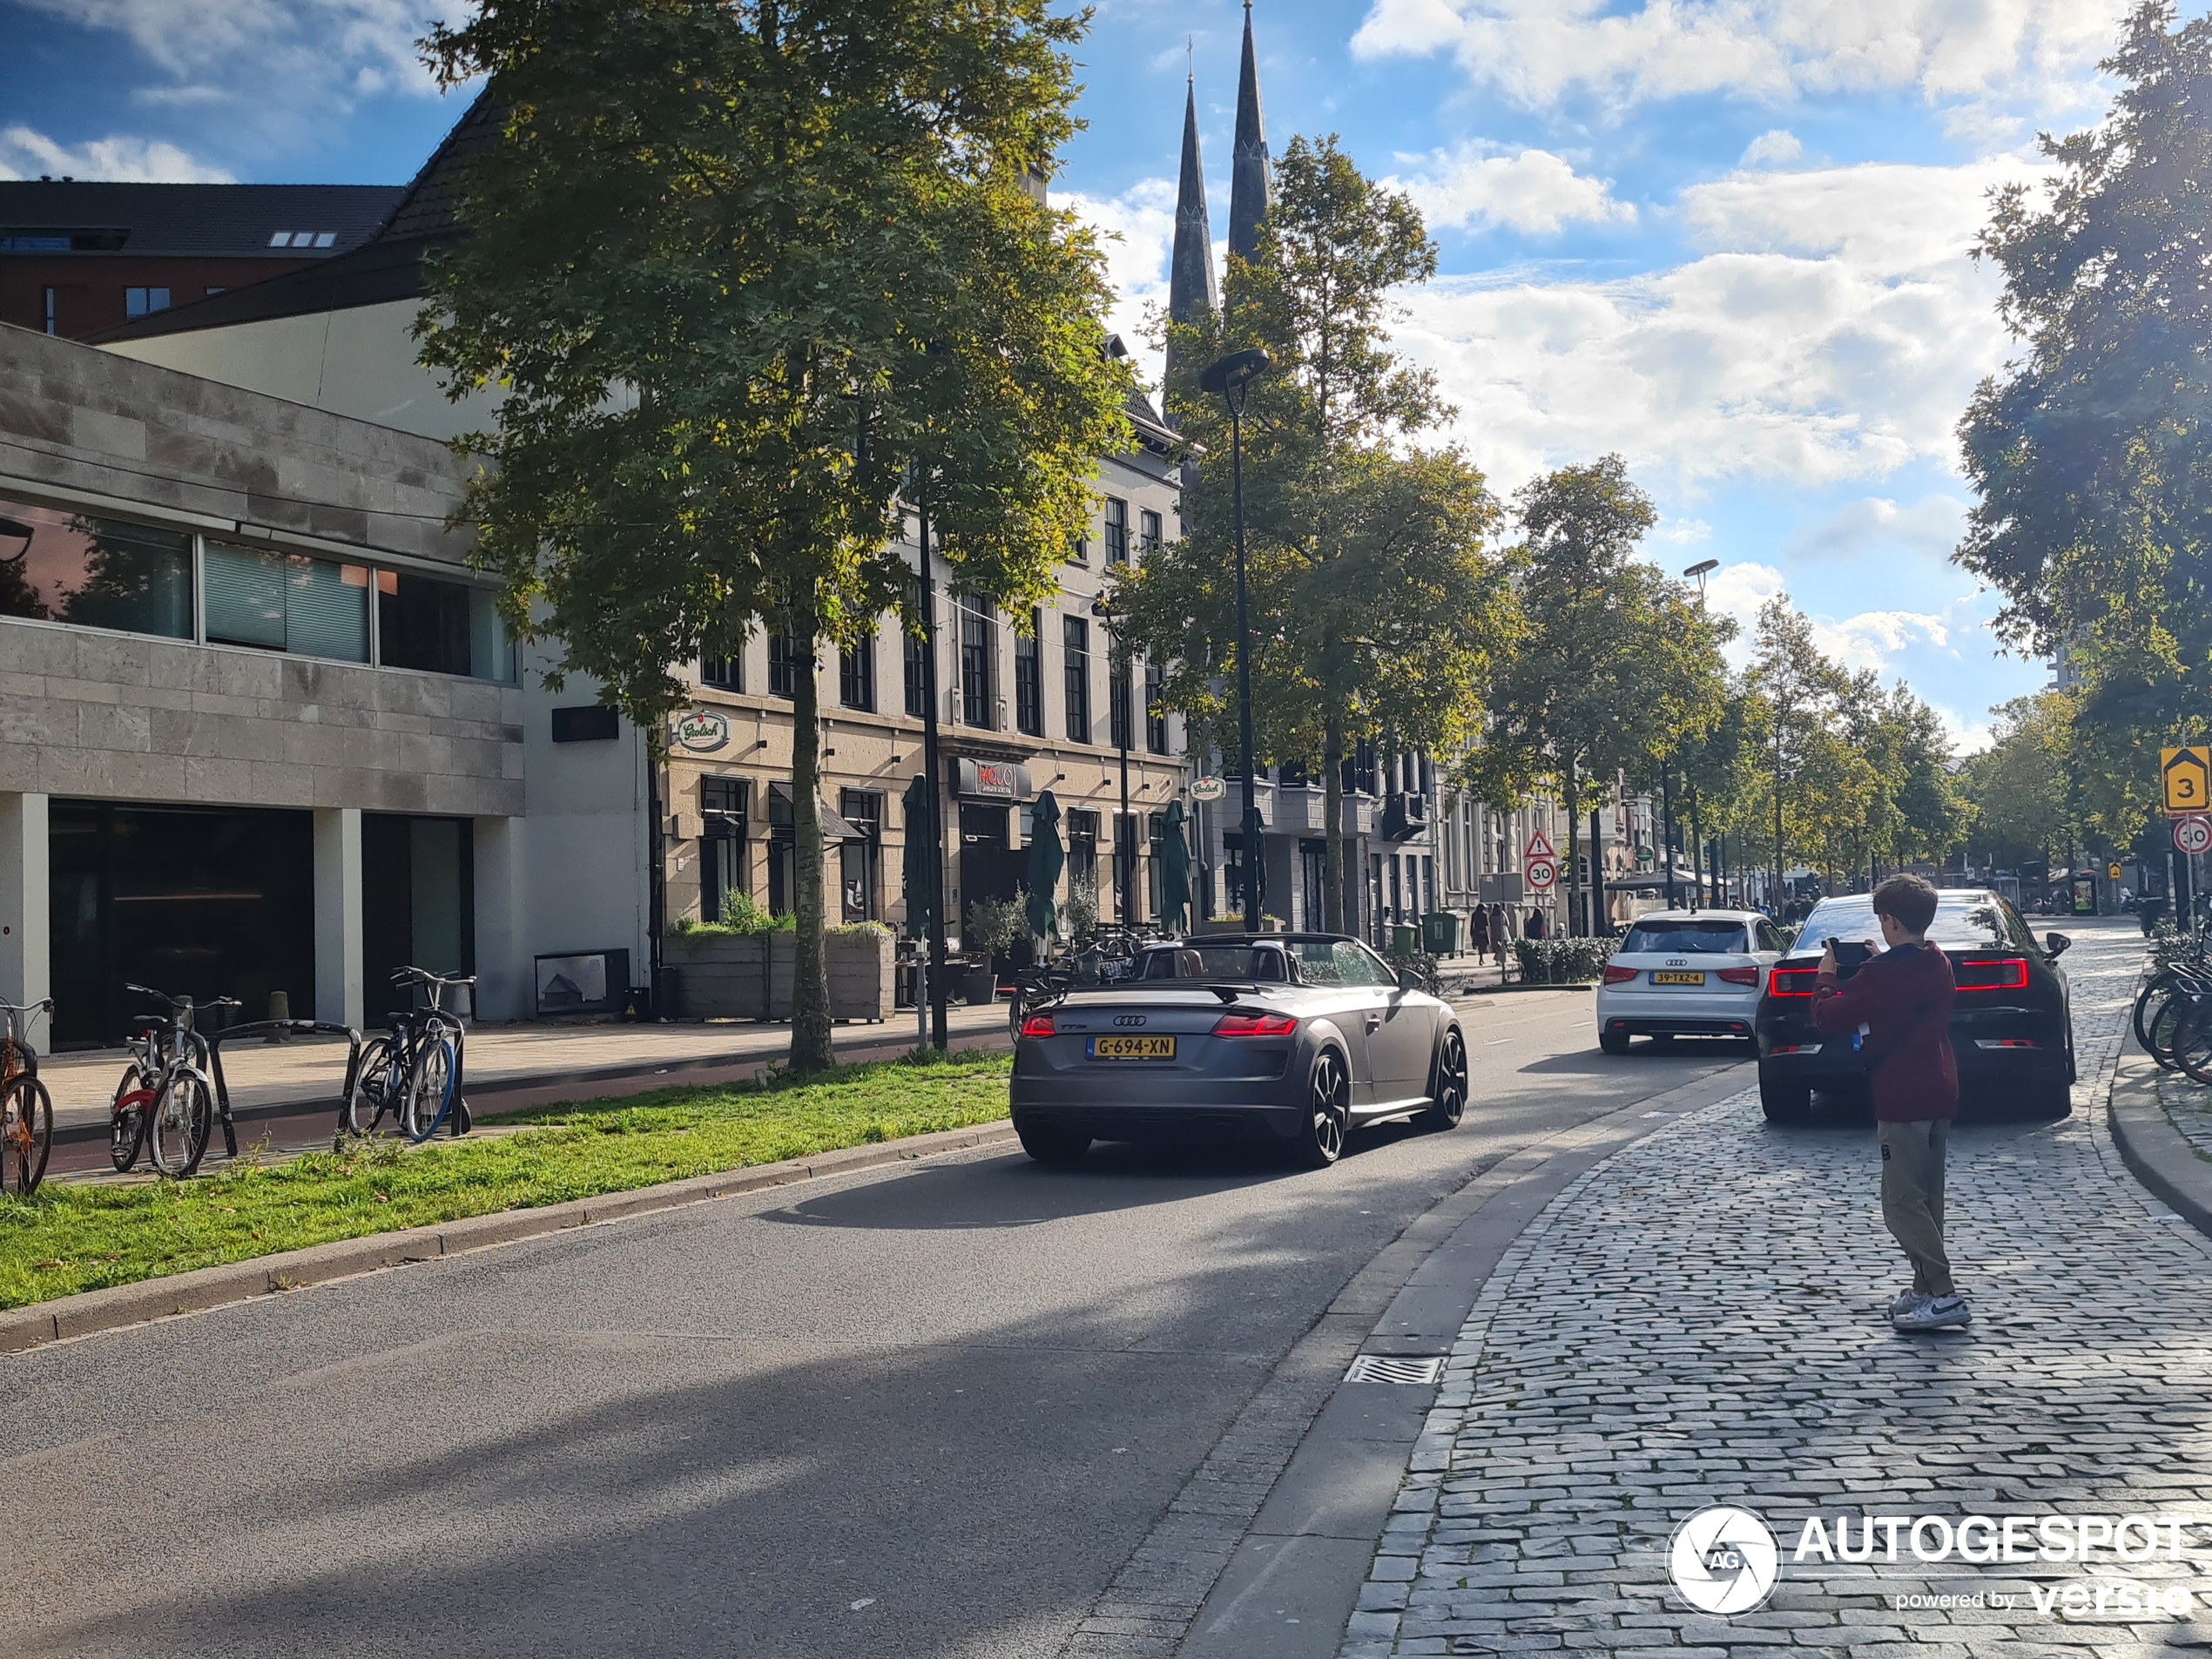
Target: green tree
[(1375, 602), (1616, 664), (2019, 788), (1817, 787), (740, 269)]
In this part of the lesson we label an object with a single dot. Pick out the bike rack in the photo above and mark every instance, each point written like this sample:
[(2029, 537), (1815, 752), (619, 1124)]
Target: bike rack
[(278, 1029)]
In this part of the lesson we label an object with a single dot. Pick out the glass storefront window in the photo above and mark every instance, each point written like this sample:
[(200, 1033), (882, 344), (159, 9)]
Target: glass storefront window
[(60, 566), (286, 602), (442, 627)]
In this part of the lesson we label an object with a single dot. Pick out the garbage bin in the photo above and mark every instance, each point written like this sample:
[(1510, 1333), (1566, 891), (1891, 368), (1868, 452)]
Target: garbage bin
[(1404, 940), (1440, 932)]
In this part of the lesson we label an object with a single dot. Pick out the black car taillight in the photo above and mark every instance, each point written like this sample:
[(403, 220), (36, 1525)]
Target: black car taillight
[(1037, 1025), (1792, 981), (1240, 1024), (1992, 973)]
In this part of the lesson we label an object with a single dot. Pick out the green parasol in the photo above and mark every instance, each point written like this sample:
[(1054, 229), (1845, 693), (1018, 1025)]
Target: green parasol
[(1175, 873), (914, 872), (1046, 859)]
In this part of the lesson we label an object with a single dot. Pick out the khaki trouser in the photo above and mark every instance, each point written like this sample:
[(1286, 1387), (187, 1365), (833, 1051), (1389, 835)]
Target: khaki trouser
[(1912, 1199)]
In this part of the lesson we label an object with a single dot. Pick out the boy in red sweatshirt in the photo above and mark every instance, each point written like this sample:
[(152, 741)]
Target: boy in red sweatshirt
[(1900, 1000)]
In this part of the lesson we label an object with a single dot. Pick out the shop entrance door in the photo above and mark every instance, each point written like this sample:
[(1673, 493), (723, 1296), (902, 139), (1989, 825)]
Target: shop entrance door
[(419, 904)]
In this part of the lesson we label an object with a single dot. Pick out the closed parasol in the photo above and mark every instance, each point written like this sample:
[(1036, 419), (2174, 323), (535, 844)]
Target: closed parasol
[(1046, 859), (914, 873), (1175, 871)]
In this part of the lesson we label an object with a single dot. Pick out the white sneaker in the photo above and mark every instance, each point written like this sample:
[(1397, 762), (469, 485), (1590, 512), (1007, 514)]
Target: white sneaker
[(1906, 1301), (1937, 1313)]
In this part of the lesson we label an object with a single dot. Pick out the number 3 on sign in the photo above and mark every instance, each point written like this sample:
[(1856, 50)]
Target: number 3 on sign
[(2186, 776)]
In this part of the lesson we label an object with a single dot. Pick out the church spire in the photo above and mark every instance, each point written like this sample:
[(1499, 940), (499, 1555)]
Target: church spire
[(1191, 294), (1251, 181)]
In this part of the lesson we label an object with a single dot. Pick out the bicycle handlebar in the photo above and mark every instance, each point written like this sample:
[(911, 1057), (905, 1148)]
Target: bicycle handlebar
[(424, 976), (45, 1004)]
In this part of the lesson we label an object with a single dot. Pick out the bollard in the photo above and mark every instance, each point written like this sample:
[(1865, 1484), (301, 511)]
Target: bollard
[(280, 1009)]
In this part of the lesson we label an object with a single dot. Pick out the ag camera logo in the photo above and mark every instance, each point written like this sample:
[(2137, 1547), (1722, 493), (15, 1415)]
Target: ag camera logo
[(1724, 1560)]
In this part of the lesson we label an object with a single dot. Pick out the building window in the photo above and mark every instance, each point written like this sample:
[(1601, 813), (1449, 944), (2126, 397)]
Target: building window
[(58, 566), (212, 293), (784, 662), (860, 859), (1148, 540), (284, 602), (1117, 530), (441, 627), (1074, 634), (1117, 706), (915, 660), (856, 675), (726, 866), (1155, 715), (725, 672), (49, 310), (140, 302), (1082, 849), (978, 649), (1078, 549), (1029, 679)]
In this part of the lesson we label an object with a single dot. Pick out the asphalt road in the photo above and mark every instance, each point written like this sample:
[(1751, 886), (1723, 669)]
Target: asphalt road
[(922, 1412)]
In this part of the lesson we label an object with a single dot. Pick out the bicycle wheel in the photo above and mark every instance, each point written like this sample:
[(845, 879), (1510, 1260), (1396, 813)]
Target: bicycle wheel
[(2147, 999), (26, 1136), (366, 1106), (183, 1113), (2192, 1045), (2165, 1024), (126, 1124), (429, 1089)]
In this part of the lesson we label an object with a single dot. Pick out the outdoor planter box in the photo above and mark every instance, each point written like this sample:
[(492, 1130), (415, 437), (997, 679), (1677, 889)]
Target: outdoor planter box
[(748, 976)]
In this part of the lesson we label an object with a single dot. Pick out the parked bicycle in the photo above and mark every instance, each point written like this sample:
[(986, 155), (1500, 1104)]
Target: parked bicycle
[(413, 1074), (164, 1103), (26, 1110)]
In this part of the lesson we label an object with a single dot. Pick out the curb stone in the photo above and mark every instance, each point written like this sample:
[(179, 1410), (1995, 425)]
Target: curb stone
[(2159, 1155), (118, 1305)]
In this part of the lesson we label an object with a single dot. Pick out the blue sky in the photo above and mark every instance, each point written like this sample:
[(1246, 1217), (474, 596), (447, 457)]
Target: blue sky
[(1725, 237)]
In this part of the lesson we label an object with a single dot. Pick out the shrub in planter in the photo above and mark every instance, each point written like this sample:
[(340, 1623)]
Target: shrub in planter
[(1562, 961)]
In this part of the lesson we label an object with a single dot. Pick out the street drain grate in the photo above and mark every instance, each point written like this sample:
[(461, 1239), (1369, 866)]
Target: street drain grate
[(1414, 1369)]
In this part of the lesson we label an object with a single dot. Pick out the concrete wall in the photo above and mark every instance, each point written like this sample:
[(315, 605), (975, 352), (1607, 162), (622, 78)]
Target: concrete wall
[(358, 362)]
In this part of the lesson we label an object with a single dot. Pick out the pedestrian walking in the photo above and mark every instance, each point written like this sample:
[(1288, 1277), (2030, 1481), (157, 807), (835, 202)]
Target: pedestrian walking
[(1896, 1011), (1480, 932)]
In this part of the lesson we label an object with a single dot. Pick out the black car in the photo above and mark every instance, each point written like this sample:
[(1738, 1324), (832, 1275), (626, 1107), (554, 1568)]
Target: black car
[(2012, 1027)]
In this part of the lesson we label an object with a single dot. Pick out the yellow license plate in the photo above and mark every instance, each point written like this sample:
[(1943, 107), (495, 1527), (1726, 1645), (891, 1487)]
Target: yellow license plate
[(1662, 978), (1132, 1048)]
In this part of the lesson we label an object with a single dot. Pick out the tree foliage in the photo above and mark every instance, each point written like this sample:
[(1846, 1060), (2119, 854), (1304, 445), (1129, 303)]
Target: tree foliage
[(1375, 603), (740, 269)]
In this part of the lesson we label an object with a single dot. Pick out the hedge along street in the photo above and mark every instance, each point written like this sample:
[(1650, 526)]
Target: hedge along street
[(76, 1237)]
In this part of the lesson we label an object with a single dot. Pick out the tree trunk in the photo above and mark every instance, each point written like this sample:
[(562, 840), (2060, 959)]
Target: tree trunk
[(1573, 869), (1332, 811), (811, 1048)]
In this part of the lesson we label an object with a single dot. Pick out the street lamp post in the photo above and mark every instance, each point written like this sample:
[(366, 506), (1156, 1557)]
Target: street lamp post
[(1699, 572), (1118, 692), (1232, 377)]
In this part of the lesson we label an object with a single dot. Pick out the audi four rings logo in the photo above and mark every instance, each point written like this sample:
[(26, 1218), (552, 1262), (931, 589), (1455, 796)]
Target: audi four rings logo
[(1128, 1019), (1723, 1561)]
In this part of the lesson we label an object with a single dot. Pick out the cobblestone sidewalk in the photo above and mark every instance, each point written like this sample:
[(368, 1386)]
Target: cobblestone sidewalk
[(2189, 1107), (1699, 1321)]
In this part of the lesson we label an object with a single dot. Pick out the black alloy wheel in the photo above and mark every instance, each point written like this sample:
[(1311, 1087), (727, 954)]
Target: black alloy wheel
[(1328, 1111), (1448, 1085)]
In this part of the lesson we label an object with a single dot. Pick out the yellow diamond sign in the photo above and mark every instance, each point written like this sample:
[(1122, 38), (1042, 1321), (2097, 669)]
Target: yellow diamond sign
[(2186, 775)]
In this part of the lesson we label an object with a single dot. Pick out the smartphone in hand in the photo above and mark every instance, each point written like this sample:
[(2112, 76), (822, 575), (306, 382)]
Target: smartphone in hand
[(1850, 954)]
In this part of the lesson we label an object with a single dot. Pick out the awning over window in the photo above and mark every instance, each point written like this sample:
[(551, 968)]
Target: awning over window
[(835, 826)]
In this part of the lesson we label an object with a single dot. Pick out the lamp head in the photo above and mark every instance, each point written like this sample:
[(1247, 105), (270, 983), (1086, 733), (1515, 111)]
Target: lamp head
[(1234, 372), (1703, 568)]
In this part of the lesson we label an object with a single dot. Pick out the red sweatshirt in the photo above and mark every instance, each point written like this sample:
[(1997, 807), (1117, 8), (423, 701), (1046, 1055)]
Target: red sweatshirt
[(1904, 998)]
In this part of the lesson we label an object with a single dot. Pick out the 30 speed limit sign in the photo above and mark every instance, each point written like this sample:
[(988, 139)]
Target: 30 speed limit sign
[(1541, 873), (2193, 834)]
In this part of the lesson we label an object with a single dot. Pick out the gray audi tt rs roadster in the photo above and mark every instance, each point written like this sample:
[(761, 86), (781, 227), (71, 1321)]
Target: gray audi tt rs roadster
[(1292, 1039)]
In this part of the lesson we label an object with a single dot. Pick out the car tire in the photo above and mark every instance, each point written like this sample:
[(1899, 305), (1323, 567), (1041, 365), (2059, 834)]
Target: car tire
[(1612, 1041), (1328, 1111), (1784, 1102), (1053, 1145), (1447, 1086), (2051, 1097)]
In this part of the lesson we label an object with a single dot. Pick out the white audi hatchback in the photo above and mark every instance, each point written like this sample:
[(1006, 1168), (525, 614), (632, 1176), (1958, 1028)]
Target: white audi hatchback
[(1686, 973)]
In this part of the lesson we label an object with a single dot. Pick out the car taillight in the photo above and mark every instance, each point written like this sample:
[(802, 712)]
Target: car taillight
[(1739, 975), (1792, 981), (1255, 1025), (1619, 976), (1037, 1025), (1994, 973)]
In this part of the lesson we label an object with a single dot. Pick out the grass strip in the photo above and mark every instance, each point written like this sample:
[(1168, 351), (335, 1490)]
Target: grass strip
[(71, 1237)]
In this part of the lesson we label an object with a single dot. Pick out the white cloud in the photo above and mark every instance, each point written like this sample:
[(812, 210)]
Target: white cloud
[(1872, 637), (1833, 330), (1772, 148), (27, 153), (1137, 227), (1874, 524), (1536, 51), (1684, 532), (1966, 737), (1533, 192)]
